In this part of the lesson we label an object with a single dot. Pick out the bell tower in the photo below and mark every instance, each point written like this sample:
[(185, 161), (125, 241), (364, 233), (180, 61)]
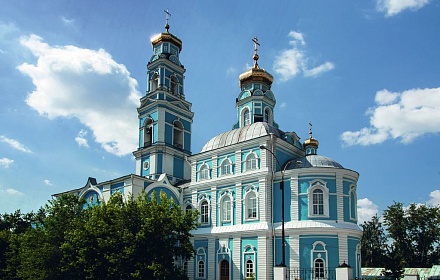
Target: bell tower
[(256, 102), (165, 117)]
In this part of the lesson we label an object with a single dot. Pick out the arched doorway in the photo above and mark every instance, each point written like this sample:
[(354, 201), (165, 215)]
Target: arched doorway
[(224, 270)]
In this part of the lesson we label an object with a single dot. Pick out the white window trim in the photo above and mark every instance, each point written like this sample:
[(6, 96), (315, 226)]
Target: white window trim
[(322, 254), (203, 198), (256, 158), (352, 191), (318, 184), (202, 168), (225, 162), (242, 113), (246, 203), (249, 253), (224, 195), (201, 257)]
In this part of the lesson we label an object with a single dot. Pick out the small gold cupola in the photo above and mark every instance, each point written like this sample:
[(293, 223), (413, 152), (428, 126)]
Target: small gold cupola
[(311, 144), (255, 74)]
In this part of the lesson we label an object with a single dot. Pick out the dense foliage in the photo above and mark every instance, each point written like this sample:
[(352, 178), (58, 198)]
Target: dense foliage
[(407, 237), (134, 239)]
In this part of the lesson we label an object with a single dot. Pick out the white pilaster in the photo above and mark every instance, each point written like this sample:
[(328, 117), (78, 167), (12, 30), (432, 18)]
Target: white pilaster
[(236, 257), (340, 197), (211, 258)]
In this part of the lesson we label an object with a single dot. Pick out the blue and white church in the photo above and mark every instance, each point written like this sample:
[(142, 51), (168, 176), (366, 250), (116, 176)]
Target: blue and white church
[(252, 185)]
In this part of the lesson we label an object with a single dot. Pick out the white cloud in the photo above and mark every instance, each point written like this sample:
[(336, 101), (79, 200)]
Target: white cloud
[(298, 38), (401, 115), (319, 69), (88, 85), (293, 61), (434, 198), (283, 105), (47, 182), (81, 140), (67, 21), (366, 210), (15, 144), (6, 162), (11, 192), (393, 7)]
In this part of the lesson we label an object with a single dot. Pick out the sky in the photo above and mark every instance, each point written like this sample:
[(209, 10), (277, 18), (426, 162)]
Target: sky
[(365, 73)]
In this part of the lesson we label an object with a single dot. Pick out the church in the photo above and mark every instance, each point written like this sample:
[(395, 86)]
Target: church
[(269, 204)]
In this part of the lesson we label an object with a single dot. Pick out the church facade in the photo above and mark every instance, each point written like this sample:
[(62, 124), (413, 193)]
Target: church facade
[(252, 185)]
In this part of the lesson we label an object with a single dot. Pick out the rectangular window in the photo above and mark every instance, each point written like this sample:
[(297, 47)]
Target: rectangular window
[(204, 213), (226, 169), (201, 270), (252, 207), (227, 210)]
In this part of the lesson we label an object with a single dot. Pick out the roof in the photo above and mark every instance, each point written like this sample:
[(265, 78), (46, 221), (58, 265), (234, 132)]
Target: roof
[(242, 134), (316, 161)]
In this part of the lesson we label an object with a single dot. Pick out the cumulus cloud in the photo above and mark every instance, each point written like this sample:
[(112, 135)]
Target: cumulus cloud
[(294, 61), (15, 144), (393, 7), (86, 84), (399, 115), (6, 162), (366, 210), (81, 140), (434, 198)]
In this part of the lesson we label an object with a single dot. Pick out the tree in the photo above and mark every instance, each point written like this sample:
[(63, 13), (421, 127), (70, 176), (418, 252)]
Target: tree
[(373, 243), (11, 227), (136, 239)]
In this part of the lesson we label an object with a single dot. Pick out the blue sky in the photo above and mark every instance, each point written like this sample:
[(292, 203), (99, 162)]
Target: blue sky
[(366, 73)]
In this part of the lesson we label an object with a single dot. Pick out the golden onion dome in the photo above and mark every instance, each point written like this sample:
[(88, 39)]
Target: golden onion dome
[(166, 37), (255, 74), (311, 142)]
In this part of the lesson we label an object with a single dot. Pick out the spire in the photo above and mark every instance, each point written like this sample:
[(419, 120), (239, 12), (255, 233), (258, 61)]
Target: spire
[(167, 15)]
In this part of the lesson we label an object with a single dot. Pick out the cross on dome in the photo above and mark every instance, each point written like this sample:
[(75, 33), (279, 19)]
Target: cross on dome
[(256, 43), (167, 15)]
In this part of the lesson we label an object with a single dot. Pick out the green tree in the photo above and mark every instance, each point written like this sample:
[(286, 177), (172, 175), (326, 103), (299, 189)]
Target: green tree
[(373, 243), (39, 253), (136, 239), (414, 235), (11, 227)]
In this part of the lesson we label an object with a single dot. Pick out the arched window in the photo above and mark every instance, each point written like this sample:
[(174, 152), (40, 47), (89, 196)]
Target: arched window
[(178, 135), (251, 206), (204, 172), (201, 259), (251, 162), (249, 254), (201, 269), (319, 260), (226, 167), (174, 85), (148, 132), (246, 117), (226, 209), (249, 268), (268, 116), (204, 212), (318, 199), (154, 82), (318, 202), (353, 203), (319, 269)]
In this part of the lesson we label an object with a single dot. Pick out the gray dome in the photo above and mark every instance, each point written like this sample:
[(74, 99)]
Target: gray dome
[(238, 135), (316, 161)]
